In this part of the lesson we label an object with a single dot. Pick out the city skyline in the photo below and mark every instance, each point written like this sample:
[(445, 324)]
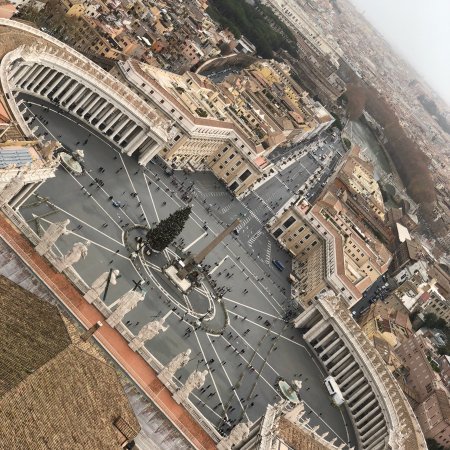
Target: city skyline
[(421, 37)]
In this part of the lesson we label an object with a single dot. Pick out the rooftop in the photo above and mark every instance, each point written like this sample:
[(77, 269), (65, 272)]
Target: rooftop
[(55, 391)]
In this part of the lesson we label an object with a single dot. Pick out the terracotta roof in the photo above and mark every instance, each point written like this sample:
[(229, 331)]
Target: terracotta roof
[(55, 392), (31, 334)]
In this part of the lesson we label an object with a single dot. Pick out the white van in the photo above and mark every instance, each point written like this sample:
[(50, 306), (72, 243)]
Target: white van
[(334, 391)]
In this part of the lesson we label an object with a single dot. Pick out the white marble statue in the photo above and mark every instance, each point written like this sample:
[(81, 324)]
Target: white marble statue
[(51, 235), (195, 381), (147, 333), (237, 435), (78, 251), (295, 413), (12, 188), (99, 285), (125, 304), (177, 363)]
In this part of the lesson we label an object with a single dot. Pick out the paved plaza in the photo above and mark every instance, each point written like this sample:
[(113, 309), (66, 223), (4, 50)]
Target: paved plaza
[(258, 346)]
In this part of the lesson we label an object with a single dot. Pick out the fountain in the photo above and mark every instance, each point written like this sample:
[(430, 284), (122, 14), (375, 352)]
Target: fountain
[(288, 392), (72, 161)]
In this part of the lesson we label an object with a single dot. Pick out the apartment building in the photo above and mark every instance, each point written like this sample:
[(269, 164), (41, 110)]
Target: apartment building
[(200, 137), (307, 248), (353, 260), (386, 322), (437, 304), (434, 417), (433, 409)]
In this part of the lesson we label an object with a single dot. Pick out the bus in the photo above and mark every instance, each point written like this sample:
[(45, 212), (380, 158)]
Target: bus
[(278, 264), (334, 391)]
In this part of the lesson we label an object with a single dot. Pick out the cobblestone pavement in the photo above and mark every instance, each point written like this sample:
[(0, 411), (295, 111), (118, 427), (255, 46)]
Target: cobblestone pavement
[(258, 346)]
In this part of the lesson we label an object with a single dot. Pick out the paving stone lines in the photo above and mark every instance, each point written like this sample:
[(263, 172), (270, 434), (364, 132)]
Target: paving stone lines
[(256, 295)]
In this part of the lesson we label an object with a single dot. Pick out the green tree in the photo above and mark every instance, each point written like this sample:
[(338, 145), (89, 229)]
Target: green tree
[(433, 445), (347, 143), (167, 230), (430, 320)]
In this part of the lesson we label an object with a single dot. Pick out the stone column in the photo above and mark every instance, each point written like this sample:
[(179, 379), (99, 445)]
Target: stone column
[(33, 77), (125, 304), (92, 105), (69, 92), (360, 401), (92, 100), (45, 83), (55, 83), (357, 415), (105, 114), (78, 251), (86, 99), (195, 381), (99, 285), (62, 88), (119, 116), (237, 435), (27, 78), (128, 132), (39, 80), (177, 363), (22, 76), (324, 339), (104, 104), (82, 90), (135, 143), (147, 333), (340, 362), (120, 127), (359, 392), (148, 154), (15, 75)]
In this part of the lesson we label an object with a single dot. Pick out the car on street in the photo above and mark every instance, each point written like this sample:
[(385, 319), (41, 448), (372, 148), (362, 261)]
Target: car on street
[(116, 204)]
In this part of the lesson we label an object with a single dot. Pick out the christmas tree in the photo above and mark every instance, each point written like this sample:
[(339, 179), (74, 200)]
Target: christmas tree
[(168, 230)]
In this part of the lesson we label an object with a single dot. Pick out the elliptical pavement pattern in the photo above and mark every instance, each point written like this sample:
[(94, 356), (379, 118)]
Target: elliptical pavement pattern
[(257, 348)]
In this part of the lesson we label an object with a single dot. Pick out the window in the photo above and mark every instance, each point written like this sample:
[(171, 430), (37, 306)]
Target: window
[(277, 233), (245, 175), (287, 223)]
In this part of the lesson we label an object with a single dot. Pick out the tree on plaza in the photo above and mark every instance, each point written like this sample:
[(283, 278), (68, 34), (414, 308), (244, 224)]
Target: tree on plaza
[(168, 230)]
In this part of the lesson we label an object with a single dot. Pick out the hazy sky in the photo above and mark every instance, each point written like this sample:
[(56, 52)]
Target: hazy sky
[(420, 31)]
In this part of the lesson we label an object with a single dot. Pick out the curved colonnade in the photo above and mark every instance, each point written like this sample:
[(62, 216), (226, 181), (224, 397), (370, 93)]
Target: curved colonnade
[(381, 415), (34, 63)]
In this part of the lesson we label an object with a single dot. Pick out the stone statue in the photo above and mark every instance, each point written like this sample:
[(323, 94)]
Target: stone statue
[(195, 381), (99, 285), (295, 412), (237, 435), (126, 303), (48, 149), (79, 250), (51, 235), (177, 363), (147, 333)]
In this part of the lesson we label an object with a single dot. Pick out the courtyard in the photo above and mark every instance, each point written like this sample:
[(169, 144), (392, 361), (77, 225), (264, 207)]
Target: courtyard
[(258, 345)]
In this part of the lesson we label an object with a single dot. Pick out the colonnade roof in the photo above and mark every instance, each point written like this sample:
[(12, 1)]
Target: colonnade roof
[(405, 432)]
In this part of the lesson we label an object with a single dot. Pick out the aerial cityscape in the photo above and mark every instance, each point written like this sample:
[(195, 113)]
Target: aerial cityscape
[(224, 224)]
